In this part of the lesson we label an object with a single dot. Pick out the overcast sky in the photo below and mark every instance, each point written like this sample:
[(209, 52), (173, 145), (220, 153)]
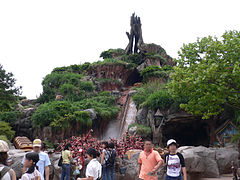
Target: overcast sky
[(37, 36)]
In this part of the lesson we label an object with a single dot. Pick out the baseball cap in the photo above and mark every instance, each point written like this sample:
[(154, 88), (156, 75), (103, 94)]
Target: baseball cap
[(37, 143), (171, 141), (3, 146)]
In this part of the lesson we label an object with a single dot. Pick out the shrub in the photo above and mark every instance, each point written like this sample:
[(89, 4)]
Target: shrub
[(6, 130), (136, 59), (9, 117), (111, 52), (4, 138), (86, 86), (72, 68), (142, 130), (52, 82), (159, 99), (46, 113), (83, 117), (60, 114), (156, 71)]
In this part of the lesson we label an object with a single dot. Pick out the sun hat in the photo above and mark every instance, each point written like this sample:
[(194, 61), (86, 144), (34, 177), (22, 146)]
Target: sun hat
[(171, 141), (37, 143), (3, 146)]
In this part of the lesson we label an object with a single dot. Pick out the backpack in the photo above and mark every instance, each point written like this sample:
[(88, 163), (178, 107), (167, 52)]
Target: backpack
[(111, 158), (4, 171)]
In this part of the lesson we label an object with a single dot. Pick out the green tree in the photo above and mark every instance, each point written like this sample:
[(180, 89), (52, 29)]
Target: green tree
[(208, 73), (6, 130), (8, 91)]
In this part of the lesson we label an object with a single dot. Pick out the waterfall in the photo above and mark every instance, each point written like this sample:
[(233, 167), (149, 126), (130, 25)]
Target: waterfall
[(116, 128), (130, 116)]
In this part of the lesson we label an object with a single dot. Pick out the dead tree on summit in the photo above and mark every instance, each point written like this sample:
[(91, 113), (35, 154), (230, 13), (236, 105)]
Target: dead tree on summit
[(135, 36)]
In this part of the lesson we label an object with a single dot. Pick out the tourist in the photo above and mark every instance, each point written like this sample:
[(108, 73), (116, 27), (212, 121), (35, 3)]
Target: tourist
[(174, 162), (66, 158), (80, 162), (44, 161), (111, 159), (31, 160), (9, 161), (104, 158), (6, 173), (149, 162), (94, 169)]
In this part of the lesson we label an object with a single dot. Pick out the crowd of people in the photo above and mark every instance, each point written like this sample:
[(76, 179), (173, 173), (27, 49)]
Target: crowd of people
[(100, 163)]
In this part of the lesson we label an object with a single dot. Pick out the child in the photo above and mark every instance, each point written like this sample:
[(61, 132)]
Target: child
[(30, 162), (174, 162)]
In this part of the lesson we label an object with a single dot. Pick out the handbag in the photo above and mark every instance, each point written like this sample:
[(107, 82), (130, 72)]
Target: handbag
[(60, 162)]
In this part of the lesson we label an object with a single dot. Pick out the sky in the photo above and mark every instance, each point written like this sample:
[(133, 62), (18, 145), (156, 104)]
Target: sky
[(37, 36)]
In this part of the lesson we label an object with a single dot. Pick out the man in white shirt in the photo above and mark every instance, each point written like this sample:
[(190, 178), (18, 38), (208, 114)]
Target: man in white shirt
[(44, 161), (94, 168)]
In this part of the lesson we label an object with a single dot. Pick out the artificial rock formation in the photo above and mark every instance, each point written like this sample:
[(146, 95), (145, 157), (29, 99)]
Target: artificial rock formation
[(135, 36)]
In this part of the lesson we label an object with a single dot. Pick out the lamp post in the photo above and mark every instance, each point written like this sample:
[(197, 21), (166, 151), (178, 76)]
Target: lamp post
[(159, 121), (159, 118)]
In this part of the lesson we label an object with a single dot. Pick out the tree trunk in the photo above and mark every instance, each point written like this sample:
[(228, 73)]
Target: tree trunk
[(212, 126), (157, 132), (157, 137)]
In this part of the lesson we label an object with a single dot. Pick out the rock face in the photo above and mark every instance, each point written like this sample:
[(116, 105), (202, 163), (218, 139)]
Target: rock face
[(117, 72), (23, 125), (208, 162), (157, 49), (141, 117), (224, 157)]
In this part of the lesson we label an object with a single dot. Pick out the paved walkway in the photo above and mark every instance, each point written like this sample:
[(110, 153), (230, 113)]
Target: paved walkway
[(223, 177)]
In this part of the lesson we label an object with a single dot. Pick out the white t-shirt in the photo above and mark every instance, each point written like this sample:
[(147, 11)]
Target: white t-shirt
[(7, 176), (36, 175), (94, 169), (106, 155), (42, 163), (174, 164)]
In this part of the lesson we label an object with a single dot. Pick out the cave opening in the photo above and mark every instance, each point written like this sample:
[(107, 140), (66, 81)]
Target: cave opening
[(187, 134), (134, 77)]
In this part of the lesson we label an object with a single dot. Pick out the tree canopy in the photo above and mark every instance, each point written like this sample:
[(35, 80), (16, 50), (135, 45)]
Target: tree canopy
[(208, 72), (8, 90)]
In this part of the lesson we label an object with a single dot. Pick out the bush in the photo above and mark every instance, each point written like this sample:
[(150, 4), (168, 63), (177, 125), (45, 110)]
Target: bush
[(9, 117), (4, 138), (46, 113), (140, 97), (111, 61), (6, 130), (136, 59), (111, 52), (52, 82), (159, 99), (72, 68), (156, 71), (142, 130), (60, 114), (86, 86)]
